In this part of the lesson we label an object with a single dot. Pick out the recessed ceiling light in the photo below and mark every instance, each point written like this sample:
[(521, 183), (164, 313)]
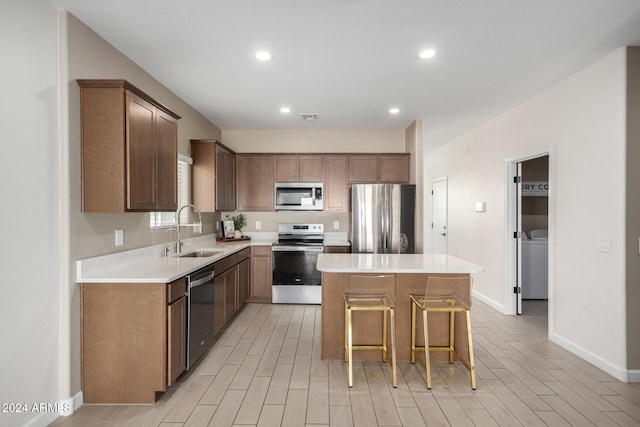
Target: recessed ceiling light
[(264, 56), (394, 110), (285, 110), (426, 54)]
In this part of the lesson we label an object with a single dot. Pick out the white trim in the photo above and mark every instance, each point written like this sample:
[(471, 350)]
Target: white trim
[(509, 270), (634, 376), (620, 374), (65, 408), (64, 252), (494, 304), (186, 159)]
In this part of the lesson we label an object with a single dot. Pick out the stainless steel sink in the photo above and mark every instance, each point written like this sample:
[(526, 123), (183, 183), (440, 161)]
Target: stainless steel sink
[(201, 253)]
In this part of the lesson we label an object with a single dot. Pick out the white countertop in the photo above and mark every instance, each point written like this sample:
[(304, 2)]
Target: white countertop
[(147, 265), (395, 263)]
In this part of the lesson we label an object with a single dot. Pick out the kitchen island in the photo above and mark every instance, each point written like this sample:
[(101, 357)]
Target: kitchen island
[(411, 272)]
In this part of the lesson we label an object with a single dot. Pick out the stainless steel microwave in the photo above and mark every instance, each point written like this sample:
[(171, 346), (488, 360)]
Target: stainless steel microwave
[(296, 196)]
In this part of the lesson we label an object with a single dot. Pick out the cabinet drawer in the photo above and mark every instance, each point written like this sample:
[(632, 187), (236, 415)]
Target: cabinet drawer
[(225, 263), (261, 251), (244, 254), (176, 289)]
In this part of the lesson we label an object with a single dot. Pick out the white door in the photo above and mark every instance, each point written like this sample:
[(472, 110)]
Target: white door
[(439, 214), (518, 236)]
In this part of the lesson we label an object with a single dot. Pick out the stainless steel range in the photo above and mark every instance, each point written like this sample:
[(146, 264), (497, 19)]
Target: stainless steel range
[(296, 279)]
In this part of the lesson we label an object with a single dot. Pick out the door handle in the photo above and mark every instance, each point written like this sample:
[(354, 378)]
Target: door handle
[(443, 234)]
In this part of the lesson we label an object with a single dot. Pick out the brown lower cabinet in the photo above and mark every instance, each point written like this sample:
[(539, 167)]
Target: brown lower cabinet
[(261, 274), (133, 335), (132, 340), (230, 287), (337, 249)]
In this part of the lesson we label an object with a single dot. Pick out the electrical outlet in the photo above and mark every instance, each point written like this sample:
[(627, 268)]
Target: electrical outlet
[(258, 225), (119, 237), (604, 244), (336, 225)]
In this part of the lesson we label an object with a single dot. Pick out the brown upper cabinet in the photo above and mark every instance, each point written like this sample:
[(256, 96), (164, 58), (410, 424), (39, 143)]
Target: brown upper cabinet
[(255, 174), (214, 175), (335, 184), (129, 149), (298, 168), (382, 168)]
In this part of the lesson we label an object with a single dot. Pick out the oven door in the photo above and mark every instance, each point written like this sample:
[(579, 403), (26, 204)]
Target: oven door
[(296, 280)]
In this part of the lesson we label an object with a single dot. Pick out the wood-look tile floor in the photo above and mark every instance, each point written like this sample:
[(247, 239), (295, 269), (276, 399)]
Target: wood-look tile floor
[(266, 370)]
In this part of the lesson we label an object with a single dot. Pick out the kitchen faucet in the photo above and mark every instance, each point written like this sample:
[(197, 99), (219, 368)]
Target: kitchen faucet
[(197, 226)]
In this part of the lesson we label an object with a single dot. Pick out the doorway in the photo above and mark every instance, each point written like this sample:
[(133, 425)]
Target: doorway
[(528, 208), (439, 197)]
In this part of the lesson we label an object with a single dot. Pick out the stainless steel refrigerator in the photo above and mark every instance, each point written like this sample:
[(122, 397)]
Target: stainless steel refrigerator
[(382, 218)]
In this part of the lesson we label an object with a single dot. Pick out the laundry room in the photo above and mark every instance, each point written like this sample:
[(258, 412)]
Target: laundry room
[(535, 223)]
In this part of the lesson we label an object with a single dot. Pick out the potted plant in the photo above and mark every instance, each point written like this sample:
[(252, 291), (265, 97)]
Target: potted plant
[(239, 222)]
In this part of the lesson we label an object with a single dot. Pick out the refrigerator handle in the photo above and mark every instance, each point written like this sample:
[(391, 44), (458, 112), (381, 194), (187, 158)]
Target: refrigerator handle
[(385, 216)]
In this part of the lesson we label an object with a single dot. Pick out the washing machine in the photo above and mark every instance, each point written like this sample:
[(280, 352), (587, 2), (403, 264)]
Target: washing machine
[(535, 265)]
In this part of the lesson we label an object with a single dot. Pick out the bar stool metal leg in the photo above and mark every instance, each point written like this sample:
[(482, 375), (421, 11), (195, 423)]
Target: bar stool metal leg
[(472, 366), (394, 370), (350, 349), (452, 338), (384, 335), (427, 357)]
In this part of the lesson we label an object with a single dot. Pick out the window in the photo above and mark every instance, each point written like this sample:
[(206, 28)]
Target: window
[(168, 219)]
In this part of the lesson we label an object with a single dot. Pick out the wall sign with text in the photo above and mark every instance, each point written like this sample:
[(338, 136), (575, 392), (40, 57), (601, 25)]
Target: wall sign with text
[(535, 188)]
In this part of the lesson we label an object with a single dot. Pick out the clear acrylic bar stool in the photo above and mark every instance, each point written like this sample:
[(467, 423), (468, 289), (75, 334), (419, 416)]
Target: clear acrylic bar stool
[(369, 293), (438, 298)]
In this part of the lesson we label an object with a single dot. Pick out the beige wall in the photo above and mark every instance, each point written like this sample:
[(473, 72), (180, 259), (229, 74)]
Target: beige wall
[(581, 123), (314, 141), (30, 356), (91, 57), (633, 209)]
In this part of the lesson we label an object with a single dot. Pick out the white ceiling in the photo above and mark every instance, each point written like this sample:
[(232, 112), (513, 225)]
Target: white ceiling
[(351, 60)]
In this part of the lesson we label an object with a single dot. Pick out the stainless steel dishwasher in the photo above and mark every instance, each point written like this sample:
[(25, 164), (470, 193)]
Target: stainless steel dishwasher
[(200, 314)]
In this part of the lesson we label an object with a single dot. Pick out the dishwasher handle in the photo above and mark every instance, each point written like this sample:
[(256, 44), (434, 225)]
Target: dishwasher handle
[(201, 281)]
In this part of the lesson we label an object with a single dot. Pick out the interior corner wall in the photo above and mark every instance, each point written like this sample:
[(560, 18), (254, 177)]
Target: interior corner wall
[(30, 303), (413, 145), (581, 122), (633, 210)]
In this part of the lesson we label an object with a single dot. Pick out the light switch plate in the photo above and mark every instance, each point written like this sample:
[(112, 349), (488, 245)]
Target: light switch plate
[(119, 237), (604, 244)]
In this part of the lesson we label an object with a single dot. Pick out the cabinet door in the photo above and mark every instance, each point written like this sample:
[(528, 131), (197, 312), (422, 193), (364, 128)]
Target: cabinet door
[(176, 339), (141, 154), (243, 281), (203, 181), (230, 292), (287, 168), (261, 273), (394, 169), (167, 162), (310, 168), (225, 180), (363, 169), (219, 285), (254, 182), (335, 184)]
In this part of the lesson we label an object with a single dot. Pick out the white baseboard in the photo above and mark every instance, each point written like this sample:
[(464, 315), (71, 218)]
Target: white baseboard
[(493, 304), (70, 405), (634, 376), (615, 371)]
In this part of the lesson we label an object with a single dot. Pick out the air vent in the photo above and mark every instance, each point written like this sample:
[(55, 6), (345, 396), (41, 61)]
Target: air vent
[(309, 116)]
